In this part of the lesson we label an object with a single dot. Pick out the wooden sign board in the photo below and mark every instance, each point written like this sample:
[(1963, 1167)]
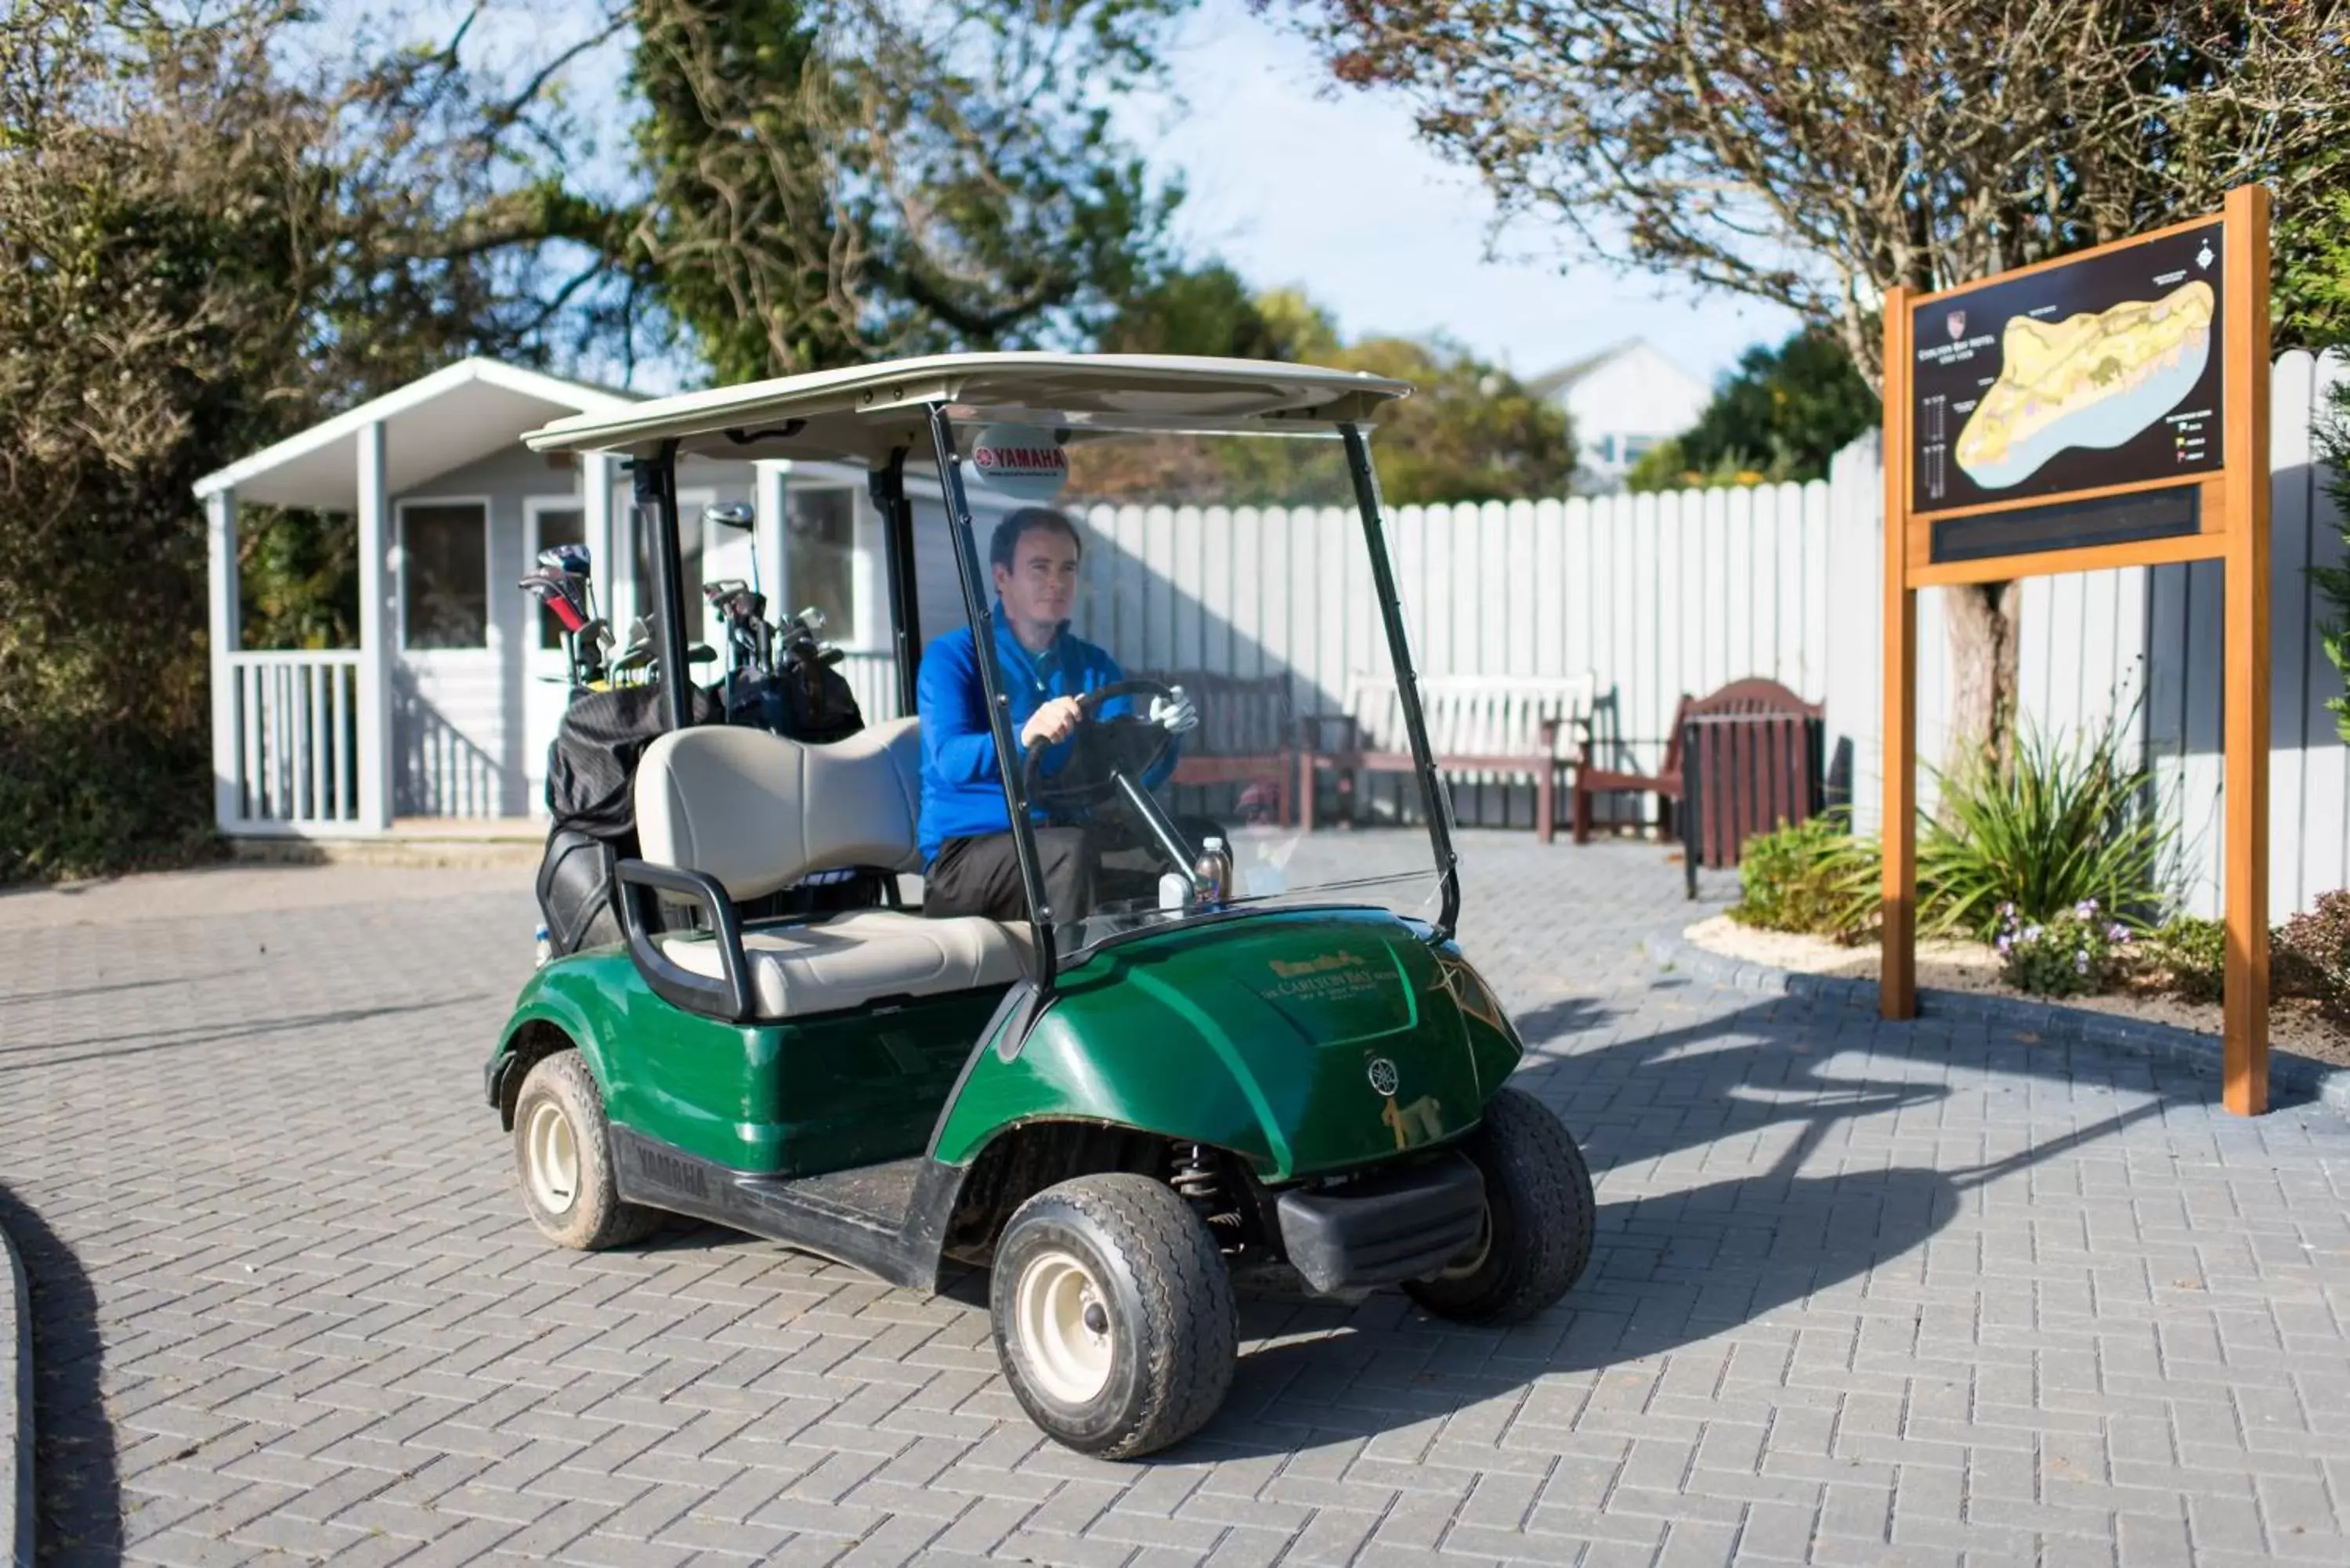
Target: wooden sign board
[(2107, 410)]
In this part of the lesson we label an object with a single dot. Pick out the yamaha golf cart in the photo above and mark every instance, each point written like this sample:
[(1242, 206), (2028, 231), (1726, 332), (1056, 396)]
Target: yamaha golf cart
[(1272, 1057)]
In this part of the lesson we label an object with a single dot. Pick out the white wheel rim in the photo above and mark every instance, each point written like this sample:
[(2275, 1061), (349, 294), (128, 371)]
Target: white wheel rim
[(1068, 1360), (551, 1158)]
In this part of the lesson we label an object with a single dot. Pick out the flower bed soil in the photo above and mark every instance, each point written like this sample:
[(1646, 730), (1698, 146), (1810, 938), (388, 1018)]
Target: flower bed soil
[(2294, 1025)]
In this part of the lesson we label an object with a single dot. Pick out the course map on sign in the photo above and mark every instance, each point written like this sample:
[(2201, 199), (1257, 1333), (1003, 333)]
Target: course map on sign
[(2099, 373)]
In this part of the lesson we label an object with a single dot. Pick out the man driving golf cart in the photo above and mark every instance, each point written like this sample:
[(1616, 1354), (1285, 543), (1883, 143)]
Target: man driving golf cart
[(971, 865), (1287, 1062)]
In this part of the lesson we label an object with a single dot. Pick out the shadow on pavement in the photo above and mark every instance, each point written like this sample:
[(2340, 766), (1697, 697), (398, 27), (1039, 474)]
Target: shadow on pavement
[(115, 988), (1666, 1270), (207, 1034), (78, 1501)]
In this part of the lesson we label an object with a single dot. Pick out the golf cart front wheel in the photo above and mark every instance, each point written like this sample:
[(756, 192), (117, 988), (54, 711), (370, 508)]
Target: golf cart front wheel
[(1113, 1314), (564, 1160), (1536, 1237)]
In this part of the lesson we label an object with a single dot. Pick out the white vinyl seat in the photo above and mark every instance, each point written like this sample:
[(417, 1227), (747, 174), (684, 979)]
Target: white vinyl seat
[(859, 957), (757, 813)]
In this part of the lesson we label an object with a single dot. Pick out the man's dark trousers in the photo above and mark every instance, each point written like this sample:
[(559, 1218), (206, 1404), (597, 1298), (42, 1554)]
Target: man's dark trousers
[(1083, 867)]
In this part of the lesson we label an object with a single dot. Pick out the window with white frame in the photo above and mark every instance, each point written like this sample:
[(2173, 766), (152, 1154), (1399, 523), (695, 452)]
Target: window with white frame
[(444, 552), (820, 552)]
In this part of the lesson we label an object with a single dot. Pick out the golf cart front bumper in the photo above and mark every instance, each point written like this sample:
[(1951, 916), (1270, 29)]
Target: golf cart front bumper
[(1383, 1230)]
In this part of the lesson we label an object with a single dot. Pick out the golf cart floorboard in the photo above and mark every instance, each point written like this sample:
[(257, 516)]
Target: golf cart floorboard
[(886, 1218)]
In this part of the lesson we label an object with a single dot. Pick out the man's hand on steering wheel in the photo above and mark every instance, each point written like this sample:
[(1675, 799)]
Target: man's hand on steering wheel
[(1053, 722), (1114, 746)]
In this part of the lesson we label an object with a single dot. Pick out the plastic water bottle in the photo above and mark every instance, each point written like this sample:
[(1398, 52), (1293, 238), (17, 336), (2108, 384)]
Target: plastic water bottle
[(1213, 870), (546, 952)]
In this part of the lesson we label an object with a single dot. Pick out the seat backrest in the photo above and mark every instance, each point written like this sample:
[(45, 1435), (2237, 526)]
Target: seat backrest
[(1754, 694), (758, 811)]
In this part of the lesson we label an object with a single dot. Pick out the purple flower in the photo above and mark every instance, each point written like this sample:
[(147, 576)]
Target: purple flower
[(2080, 963), (2032, 933), (2005, 942), (2116, 934), (2085, 907)]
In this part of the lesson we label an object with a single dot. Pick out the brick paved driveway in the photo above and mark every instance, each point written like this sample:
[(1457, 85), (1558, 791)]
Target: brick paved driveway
[(1863, 1294)]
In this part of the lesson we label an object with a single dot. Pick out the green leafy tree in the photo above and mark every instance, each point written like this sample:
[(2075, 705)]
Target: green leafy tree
[(1786, 410), (204, 247), (829, 182), (1817, 155), (2313, 306), (1470, 431), (1670, 465)]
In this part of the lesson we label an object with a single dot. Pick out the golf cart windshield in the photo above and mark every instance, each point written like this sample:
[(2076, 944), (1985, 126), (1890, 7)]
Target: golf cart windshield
[(1214, 605)]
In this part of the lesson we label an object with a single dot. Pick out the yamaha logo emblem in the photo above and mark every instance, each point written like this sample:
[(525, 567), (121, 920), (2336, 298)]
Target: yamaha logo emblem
[(1383, 1076)]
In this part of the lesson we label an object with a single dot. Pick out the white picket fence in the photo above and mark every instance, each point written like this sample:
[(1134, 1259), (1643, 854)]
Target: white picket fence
[(1661, 595)]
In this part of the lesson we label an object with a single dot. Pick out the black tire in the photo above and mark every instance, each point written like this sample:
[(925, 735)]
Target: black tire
[(1538, 1217), (581, 1208), (1152, 1270)]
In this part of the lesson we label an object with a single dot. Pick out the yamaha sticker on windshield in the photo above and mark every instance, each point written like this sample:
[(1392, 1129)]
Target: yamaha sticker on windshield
[(1021, 461)]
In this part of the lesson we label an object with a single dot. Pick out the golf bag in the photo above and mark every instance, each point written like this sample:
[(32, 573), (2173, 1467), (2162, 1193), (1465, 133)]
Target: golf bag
[(591, 773)]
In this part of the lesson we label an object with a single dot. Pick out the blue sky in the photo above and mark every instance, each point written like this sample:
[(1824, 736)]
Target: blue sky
[(1297, 180)]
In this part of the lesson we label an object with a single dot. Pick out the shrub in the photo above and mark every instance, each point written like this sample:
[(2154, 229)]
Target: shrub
[(2061, 826), (2077, 953), (2309, 954), (1812, 878), (2189, 954)]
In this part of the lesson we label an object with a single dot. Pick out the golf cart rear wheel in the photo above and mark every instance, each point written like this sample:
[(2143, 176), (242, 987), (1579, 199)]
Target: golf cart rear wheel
[(564, 1160), (1538, 1215), (1114, 1318)]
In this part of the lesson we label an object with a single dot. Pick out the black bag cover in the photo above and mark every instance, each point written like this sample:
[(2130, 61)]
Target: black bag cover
[(577, 891), (813, 705), (592, 765)]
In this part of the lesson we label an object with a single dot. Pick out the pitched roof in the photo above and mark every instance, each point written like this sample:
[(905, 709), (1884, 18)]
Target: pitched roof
[(458, 414)]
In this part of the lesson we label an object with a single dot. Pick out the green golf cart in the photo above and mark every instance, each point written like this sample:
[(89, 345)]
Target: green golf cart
[(1272, 1057)]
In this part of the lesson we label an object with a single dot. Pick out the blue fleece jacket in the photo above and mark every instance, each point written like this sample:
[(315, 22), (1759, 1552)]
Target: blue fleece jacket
[(962, 795)]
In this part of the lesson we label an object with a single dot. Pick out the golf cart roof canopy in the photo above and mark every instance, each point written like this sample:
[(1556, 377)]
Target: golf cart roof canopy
[(864, 412)]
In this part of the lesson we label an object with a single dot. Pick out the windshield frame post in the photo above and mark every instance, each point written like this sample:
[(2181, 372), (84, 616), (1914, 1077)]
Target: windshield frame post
[(653, 483), (886, 485), (1367, 503), (978, 604)]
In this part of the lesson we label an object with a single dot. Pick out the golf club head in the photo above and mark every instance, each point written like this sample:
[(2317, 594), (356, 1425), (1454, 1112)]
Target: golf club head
[(571, 559), (736, 515), (549, 590)]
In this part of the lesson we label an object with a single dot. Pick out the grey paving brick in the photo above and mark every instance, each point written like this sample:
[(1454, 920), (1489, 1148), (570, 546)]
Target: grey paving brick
[(1949, 1291)]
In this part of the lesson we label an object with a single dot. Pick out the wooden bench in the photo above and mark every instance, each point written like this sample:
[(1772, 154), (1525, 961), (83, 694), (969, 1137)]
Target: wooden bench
[(1496, 726), (1247, 733), (1750, 698)]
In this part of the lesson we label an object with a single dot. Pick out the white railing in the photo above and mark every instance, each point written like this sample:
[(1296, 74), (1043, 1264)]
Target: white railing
[(296, 715), (873, 676)]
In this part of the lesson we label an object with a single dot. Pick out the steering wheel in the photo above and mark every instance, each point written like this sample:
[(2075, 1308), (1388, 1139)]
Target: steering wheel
[(1100, 750)]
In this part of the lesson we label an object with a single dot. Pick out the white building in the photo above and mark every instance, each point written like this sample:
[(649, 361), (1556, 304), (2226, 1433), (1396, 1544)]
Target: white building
[(1623, 400), (445, 709)]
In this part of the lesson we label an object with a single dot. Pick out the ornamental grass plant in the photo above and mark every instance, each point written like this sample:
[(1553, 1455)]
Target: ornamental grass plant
[(2064, 824)]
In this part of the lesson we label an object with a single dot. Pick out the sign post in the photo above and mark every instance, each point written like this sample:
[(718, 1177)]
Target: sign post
[(2107, 410)]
